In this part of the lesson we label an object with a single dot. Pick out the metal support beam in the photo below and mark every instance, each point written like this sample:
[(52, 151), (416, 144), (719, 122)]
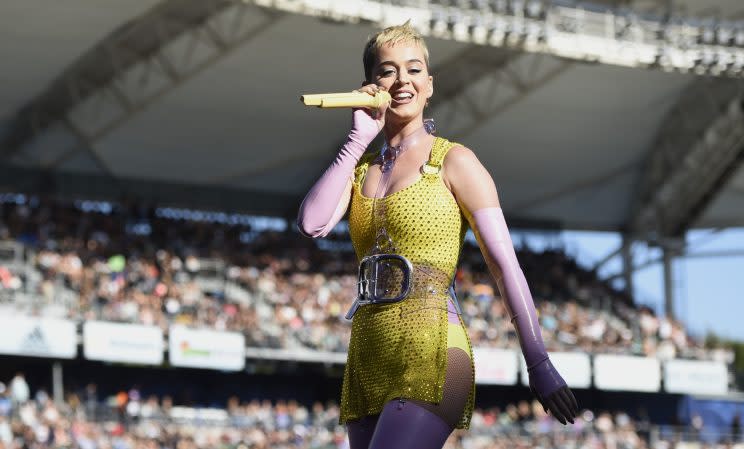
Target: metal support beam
[(455, 74), (87, 144), (489, 83), (698, 148), (672, 248), (669, 254), (57, 384), (609, 256), (668, 283), (736, 253), (625, 250), (135, 66), (627, 255)]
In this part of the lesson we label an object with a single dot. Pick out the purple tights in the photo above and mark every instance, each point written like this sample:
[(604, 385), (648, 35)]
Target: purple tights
[(401, 425)]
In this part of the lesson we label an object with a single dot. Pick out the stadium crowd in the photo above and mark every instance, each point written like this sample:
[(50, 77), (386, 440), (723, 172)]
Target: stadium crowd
[(129, 420), (103, 261)]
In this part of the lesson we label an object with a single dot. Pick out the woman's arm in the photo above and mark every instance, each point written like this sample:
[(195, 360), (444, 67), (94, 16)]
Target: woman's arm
[(326, 202), (328, 199), (476, 194)]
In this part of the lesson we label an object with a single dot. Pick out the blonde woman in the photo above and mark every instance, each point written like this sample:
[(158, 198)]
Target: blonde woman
[(409, 377)]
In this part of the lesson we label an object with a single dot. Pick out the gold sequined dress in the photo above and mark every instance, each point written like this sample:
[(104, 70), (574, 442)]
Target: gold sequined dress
[(399, 350)]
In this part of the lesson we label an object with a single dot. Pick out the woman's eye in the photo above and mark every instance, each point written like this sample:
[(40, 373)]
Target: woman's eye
[(387, 72), (414, 71)]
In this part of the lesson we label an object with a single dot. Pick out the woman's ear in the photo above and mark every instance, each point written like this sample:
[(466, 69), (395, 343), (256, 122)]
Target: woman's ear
[(431, 86)]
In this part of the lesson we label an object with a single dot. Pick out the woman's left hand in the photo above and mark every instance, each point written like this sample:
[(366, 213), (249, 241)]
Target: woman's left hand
[(551, 390)]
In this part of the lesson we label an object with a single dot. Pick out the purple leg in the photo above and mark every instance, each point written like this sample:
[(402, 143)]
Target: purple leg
[(360, 431), (405, 425)]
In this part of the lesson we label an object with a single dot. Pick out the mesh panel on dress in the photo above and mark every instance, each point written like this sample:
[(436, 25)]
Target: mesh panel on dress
[(456, 390)]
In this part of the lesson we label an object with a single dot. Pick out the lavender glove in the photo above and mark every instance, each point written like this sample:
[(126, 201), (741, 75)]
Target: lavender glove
[(497, 248), (326, 202)]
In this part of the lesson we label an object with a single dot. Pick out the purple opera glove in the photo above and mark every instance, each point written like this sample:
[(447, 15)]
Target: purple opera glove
[(497, 248), (326, 202)]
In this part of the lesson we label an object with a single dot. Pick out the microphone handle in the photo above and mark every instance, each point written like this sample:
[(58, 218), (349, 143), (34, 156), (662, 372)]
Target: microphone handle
[(316, 99), (356, 100), (347, 100)]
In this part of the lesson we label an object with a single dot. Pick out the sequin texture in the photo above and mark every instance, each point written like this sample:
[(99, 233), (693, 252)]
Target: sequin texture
[(400, 350)]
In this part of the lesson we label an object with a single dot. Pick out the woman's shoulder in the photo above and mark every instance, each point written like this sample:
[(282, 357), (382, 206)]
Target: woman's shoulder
[(459, 161), (440, 149), (456, 153)]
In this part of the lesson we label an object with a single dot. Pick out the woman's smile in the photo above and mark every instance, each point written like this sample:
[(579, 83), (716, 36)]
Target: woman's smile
[(402, 97)]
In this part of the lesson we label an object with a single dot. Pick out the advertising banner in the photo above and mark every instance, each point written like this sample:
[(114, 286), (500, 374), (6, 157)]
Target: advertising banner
[(119, 342), (201, 348), (574, 367), (495, 366), (695, 377), (627, 373), (38, 337)]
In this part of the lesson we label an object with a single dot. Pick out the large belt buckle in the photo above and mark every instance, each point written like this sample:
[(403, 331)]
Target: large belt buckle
[(372, 286)]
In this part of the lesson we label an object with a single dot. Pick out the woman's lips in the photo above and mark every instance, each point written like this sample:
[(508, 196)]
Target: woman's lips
[(405, 99)]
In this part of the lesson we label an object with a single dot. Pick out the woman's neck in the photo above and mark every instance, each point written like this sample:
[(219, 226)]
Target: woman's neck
[(397, 132)]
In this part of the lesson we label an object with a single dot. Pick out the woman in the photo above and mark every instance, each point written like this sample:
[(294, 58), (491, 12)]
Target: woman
[(409, 377)]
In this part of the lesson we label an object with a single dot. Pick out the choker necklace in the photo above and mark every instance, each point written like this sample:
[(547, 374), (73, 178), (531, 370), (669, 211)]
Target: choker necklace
[(389, 153)]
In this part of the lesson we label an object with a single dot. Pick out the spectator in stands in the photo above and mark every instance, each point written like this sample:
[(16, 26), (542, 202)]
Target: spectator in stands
[(277, 425), (696, 427), (90, 396), (287, 424), (421, 389), (6, 404), (736, 428), (19, 391)]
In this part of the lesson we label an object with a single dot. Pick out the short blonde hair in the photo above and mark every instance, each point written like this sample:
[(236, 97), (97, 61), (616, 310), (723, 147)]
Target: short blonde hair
[(398, 34)]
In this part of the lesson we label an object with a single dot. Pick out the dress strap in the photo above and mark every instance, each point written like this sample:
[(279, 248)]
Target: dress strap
[(361, 169), (438, 152)]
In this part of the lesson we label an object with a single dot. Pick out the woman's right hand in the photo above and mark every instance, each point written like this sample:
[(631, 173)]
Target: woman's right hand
[(367, 122)]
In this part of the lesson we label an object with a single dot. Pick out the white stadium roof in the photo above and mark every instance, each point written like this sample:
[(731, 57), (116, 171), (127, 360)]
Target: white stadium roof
[(196, 102)]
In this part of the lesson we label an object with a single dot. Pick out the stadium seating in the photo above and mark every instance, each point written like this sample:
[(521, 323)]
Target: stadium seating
[(99, 260)]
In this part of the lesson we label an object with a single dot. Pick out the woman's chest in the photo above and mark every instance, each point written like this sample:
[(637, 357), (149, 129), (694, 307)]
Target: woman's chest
[(400, 176), (419, 210)]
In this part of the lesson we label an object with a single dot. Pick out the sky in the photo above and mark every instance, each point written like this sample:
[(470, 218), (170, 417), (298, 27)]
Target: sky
[(709, 291)]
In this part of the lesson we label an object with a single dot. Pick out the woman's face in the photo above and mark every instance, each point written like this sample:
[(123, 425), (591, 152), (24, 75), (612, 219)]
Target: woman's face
[(402, 70)]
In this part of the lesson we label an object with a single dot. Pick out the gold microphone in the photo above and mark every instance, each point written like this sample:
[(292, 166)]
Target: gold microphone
[(346, 100)]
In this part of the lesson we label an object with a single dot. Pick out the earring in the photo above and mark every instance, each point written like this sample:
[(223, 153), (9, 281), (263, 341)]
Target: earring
[(429, 126)]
